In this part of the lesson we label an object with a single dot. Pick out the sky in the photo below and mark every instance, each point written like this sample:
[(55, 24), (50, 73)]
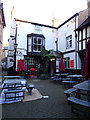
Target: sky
[(40, 11)]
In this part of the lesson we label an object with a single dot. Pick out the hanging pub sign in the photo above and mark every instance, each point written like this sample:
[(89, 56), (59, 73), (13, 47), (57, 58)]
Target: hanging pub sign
[(71, 63)]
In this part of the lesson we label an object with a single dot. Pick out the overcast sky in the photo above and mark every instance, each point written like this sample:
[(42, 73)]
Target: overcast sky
[(41, 11)]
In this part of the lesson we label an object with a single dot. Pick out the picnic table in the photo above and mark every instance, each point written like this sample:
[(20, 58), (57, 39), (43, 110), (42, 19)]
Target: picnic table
[(61, 75), (71, 80), (75, 77), (85, 103), (83, 86), (16, 87)]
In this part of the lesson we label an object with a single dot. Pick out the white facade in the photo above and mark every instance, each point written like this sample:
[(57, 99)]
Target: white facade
[(64, 31), (65, 35), (67, 42), (26, 28), (23, 29)]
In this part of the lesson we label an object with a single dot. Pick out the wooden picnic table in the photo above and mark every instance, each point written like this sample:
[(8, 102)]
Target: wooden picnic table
[(75, 77), (83, 86), (22, 82), (85, 103)]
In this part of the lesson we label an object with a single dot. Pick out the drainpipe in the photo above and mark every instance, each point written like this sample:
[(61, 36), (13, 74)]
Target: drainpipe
[(56, 44), (15, 48), (56, 40), (75, 43)]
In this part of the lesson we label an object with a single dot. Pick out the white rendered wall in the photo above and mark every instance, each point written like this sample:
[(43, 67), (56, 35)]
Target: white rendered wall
[(64, 31), (50, 38), (26, 28)]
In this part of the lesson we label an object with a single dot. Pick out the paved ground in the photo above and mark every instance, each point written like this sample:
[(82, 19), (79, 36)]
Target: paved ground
[(55, 106)]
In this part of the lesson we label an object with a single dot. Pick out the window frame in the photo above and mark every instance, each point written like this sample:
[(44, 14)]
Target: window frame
[(37, 44), (67, 62), (69, 42)]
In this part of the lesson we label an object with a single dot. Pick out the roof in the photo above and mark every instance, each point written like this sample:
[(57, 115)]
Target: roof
[(34, 23), (68, 20), (47, 25), (55, 53), (84, 23)]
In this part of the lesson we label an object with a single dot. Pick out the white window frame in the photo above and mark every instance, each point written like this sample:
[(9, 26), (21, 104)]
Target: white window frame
[(37, 44), (68, 41), (67, 62)]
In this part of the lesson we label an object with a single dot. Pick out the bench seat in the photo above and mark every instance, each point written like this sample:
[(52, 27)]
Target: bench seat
[(84, 104), (15, 92), (79, 101), (69, 91)]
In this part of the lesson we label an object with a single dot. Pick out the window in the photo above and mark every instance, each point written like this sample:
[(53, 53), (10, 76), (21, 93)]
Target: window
[(31, 61), (69, 42), (67, 62), (29, 44), (37, 44)]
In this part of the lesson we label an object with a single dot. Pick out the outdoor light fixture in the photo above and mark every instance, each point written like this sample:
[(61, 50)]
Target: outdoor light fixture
[(52, 59)]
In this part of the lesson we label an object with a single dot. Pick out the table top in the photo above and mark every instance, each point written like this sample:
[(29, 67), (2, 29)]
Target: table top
[(11, 77), (83, 85), (23, 81), (75, 76)]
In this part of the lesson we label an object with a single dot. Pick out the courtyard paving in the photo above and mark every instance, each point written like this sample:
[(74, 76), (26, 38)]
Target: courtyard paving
[(55, 106)]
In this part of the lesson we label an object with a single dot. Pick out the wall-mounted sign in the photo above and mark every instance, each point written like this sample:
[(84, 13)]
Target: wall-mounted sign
[(71, 63)]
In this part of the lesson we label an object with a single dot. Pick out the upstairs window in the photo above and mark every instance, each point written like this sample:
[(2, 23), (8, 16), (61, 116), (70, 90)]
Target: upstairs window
[(69, 42), (37, 44)]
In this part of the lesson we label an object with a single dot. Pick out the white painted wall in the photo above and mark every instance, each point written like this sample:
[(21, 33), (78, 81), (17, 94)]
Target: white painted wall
[(50, 36), (63, 32), (88, 31), (26, 28), (78, 62)]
